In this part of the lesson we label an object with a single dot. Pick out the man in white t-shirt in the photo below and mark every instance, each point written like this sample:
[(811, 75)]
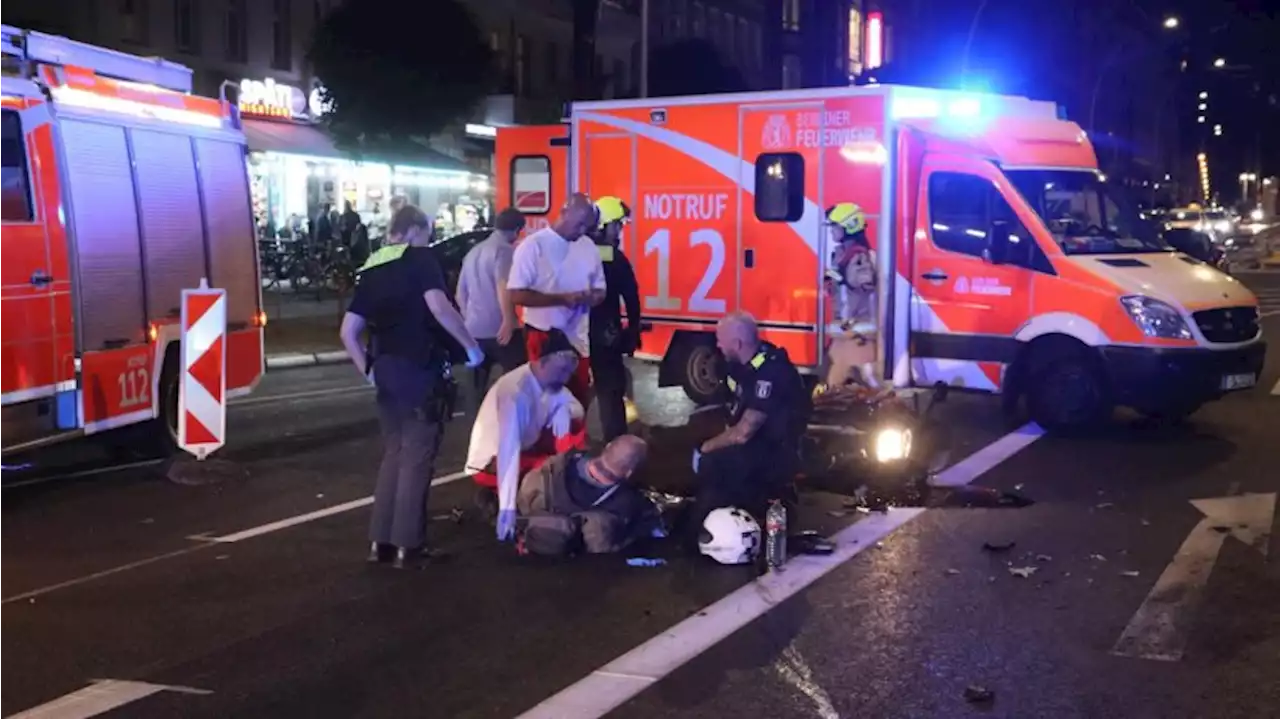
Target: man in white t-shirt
[(557, 276), (526, 418)]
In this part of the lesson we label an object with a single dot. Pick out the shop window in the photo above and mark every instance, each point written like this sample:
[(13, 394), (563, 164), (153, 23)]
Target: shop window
[(779, 187), (531, 184), (791, 15), (698, 25), (17, 190)]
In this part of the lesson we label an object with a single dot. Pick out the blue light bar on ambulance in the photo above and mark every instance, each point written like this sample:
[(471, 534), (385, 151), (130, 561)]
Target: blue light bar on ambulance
[(921, 107)]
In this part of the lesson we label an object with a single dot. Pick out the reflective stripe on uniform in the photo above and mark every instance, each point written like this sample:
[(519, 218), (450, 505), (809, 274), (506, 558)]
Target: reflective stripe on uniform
[(384, 255)]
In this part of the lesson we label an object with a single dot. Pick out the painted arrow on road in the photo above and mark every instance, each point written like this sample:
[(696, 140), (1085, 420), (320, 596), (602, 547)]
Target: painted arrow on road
[(1161, 625)]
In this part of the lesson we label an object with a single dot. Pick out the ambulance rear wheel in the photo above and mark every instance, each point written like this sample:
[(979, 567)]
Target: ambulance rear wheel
[(700, 372), (1068, 394)]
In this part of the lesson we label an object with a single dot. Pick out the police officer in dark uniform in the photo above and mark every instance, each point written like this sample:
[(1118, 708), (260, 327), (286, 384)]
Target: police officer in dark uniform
[(610, 341), (754, 459), (401, 299)]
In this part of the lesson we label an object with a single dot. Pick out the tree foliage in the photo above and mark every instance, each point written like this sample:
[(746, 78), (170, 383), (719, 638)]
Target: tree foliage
[(395, 72), (691, 67)]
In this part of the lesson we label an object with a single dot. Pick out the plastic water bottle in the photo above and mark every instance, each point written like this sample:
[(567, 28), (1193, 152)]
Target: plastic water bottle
[(775, 527)]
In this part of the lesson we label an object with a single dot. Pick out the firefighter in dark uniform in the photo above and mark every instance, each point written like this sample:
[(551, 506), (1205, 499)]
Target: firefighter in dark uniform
[(610, 341), (756, 457), (400, 298)]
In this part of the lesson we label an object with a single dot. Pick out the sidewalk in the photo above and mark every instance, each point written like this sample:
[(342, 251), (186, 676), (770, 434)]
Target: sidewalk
[(302, 330)]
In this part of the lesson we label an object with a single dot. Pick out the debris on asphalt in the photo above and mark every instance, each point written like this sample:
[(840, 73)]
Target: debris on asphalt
[(1130, 573), (1097, 557), (952, 572), (1146, 523), (1022, 572), (837, 513), (149, 520), (1017, 487), (320, 495), (456, 515), (998, 546), (645, 562), (223, 556), (978, 694), (1105, 505), (1042, 558), (863, 509)]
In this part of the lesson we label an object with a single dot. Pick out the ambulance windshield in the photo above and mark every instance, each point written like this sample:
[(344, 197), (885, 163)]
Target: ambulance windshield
[(1085, 214)]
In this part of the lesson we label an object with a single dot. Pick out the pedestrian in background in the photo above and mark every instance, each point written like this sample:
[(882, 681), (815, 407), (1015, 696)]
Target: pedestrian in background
[(399, 290), (486, 303)]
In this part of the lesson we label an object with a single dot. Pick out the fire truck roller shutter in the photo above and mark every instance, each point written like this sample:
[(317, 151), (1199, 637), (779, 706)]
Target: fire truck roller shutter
[(172, 229), (233, 250), (107, 244)]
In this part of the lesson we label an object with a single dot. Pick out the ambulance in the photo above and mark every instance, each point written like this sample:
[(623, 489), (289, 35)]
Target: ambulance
[(121, 189), (1007, 263)]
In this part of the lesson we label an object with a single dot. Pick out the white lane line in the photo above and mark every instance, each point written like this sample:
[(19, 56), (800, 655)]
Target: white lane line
[(795, 671), (206, 541), (981, 462), (99, 575), (99, 698), (1276, 390), (612, 685), (318, 514), (309, 394)]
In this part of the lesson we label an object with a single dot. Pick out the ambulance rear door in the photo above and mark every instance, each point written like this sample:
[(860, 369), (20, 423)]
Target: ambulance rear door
[(532, 167)]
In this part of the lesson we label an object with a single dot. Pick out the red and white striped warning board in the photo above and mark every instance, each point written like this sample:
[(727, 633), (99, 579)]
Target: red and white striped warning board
[(202, 392)]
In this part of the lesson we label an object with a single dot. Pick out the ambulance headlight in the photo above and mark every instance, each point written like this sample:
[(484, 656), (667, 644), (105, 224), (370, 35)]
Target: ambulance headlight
[(1156, 318), (892, 444)]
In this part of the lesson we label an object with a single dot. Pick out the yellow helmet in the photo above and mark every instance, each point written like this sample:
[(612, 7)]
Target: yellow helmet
[(848, 217), (611, 209)]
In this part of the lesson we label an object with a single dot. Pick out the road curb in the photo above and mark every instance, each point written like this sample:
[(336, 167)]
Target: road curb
[(293, 360)]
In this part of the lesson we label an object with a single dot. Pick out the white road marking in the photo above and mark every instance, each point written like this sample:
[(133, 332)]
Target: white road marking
[(795, 671), (615, 683), (318, 514), (309, 394), (1275, 391), (102, 696), (981, 462), (1160, 627), (206, 541), (99, 575)]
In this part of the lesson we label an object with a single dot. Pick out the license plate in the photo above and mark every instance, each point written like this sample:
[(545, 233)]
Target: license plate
[(1239, 381)]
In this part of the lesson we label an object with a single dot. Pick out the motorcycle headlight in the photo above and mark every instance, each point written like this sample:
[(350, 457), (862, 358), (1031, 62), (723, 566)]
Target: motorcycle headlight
[(892, 444), (1223, 226), (1156, 318)]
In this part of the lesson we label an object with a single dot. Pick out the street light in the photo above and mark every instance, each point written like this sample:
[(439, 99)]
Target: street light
[(1220, 62), (1171, 23), (1204, 106), (1204, 95), (1200, 119), (1217, 130)]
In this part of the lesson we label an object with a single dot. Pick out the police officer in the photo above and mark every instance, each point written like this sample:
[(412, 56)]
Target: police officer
[(753, 460), (400, 297), (610, 341)]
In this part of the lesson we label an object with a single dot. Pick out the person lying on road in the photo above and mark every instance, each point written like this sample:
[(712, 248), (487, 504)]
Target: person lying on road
[(525, 418), (578, 500)]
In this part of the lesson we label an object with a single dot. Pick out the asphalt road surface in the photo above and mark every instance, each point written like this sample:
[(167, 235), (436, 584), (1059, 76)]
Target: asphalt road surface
[(242, 591)]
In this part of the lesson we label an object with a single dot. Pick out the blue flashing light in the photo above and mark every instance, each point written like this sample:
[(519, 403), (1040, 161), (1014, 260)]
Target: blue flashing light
[(919, 107)]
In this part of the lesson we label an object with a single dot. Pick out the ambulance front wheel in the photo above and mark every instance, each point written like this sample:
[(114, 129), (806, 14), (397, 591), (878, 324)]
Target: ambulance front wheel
[(1068, 394), (700, 372)]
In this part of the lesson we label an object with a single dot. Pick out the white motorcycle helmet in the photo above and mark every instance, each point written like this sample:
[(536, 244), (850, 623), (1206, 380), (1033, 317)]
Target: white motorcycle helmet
[(730, 536)]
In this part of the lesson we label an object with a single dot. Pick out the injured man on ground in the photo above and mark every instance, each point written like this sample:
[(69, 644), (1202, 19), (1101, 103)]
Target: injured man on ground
[(579, 502)]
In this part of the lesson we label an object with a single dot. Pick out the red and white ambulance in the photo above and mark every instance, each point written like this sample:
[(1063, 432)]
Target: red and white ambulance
[(1007, 263), (121, 189)]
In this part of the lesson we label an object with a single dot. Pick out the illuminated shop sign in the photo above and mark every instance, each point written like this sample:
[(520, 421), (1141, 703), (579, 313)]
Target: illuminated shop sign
[(268, 98)]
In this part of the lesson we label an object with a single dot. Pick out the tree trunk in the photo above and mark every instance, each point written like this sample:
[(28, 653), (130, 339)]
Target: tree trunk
[(586, 16)]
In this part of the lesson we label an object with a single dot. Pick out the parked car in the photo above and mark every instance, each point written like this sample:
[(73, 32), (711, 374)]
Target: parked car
[(451, 251)]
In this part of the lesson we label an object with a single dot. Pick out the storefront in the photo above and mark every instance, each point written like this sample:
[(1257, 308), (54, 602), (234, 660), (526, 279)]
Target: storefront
[(296, 172)]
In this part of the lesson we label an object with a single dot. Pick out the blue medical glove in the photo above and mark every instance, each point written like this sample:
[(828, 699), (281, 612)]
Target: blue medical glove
[(697, 459), (506, 524), (475, 356)]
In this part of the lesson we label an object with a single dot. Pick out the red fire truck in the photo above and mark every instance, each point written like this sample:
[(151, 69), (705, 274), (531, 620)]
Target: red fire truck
[(121, 189)]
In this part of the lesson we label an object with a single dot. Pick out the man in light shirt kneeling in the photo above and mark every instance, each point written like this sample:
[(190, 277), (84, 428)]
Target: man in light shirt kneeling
[(526, 418)]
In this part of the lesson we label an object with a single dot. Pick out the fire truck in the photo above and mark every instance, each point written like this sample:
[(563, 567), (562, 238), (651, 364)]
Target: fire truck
[(1006, 262), (121, 189)]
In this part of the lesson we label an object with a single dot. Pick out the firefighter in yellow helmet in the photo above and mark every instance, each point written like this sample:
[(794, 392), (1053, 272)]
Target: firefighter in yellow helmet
[(851, 290), (610, 340)]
